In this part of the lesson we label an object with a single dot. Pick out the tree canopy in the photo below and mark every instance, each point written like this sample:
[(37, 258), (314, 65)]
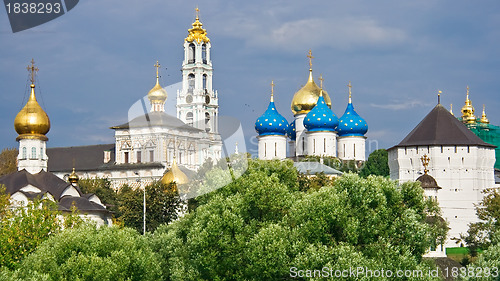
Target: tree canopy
[(377, 164)]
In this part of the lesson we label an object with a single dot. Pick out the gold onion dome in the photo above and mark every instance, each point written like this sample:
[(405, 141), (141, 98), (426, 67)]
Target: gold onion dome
[(157, 94), (468, 110), (197, 33), (174, 175), (484, 119), (73, 178), (32, 122), (306, 98)]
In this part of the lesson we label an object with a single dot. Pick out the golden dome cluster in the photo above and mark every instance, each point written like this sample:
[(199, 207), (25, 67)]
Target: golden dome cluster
[(468, 110), (157, 94), (32, 122), (306, 98), (197, 33)]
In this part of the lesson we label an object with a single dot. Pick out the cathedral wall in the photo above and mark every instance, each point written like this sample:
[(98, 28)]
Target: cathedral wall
[(272, 147), (322, 143), (352, 148)]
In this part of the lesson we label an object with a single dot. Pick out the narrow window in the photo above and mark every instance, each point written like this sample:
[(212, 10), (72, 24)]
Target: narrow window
[(344, 149), (441, 149), (354, 150), (180, 157), (151, 156), (41, 153), (468, 149), (205, 82), (189, 118), (314, 145), (191, 82), (125, 160), (204, 53), (265, 149), (139, 157), (33, 153), (275, 149), (417, 149), (191, 53), (455, 149), (406, 150), (303, 145), (428, 149), (25, 154), (324, 145)]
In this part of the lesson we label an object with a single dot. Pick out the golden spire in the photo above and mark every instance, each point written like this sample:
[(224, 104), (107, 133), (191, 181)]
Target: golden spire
[(272, 90), (174, 175), (468, 110), (197, 33), (350, 91), (310, 56), (157, 94), (73, 178), (451, 109), (425, 161), (484, 119), (439, 96), (32, 122)]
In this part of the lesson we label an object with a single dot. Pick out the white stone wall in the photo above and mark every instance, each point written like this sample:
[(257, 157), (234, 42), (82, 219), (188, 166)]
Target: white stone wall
[(352, 148), (301, 137), (463, 172), (322, 143), (272, 147)]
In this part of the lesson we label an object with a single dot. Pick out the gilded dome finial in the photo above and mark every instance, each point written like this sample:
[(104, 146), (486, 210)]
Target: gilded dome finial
[(439, 96), (197, 33), (468, 110), (32, 122), (321, 84), (425, 162), (350, 91), (272, 90), (484, 119), (310, 56)]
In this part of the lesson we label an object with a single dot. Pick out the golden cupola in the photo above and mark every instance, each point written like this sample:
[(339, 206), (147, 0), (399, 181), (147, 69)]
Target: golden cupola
[(306, 98), (197, 33), (157, 94), (174, 175), (484, 119), (73, 177), (32, 122), (468, 110)]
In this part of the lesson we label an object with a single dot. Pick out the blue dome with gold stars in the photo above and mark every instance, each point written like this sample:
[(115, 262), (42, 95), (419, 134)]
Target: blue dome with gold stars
[(271, 122), (351, 124), (321, 117), (291, 133)]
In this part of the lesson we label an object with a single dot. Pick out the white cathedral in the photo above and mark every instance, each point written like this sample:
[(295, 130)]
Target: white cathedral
[(315, 130), (148, 145)]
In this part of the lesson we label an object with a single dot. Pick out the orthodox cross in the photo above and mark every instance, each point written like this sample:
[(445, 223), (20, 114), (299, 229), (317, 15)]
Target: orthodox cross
[(350, 92), (33, 70), (425, 161), (272, 90), (310, 56), (157, 65)]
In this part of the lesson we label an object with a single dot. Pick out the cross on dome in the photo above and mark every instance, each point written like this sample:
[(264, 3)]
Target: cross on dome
[(350, 91), (425, 162), (272, 90), (310, 56), (157, 65), (33, 70)]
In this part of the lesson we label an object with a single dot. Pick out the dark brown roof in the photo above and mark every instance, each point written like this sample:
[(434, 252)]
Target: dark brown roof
[(157, 119), (439, 127), (87, 158), (428, 181)]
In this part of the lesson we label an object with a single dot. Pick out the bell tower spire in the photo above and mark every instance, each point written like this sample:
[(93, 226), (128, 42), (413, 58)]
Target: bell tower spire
[(197, 101)]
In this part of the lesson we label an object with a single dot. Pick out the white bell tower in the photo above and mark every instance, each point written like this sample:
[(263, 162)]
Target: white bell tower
[(197, 102)]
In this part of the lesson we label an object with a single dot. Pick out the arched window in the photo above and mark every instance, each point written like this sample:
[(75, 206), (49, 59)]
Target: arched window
[(25, 154), (189, 118), (41, 153), (191, 53), (191, 82), (205, 82), (204, 53), (207, 117), (33, 153)]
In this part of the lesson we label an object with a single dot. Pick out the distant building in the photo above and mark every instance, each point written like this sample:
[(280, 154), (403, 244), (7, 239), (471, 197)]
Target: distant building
[(460, 162), (32, 180)]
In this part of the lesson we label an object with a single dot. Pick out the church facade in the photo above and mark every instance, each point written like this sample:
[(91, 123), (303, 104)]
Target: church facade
[(146, 146), (315, 130)]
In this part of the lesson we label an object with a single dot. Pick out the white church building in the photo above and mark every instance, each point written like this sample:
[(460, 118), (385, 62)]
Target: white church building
[(315, 130), (146, 146)]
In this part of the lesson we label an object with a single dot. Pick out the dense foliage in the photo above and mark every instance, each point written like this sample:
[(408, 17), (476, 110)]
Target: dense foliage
[(8, 161), (377, 164)]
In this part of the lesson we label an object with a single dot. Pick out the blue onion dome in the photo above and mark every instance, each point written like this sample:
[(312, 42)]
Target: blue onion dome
[(271, 122), (291, 132), (351, 124), (321, 117)]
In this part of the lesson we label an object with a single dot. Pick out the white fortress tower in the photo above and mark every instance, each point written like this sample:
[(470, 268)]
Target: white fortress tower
[(32, 124), (197, 102)]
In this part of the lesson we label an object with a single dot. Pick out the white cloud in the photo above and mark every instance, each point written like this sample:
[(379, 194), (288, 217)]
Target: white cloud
[(402, 105)]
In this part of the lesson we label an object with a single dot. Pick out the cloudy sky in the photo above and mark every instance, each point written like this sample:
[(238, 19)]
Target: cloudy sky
[(97, 60)]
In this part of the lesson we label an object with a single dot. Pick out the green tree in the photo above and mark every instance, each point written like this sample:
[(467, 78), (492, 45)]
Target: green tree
[(102, 188), (377, 164), (162, 206), (8, 161), (479, 235), (90, 253), (262, 224), (487, 265)]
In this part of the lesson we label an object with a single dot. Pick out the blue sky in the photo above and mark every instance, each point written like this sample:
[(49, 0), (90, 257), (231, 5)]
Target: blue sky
[(97, 60)]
